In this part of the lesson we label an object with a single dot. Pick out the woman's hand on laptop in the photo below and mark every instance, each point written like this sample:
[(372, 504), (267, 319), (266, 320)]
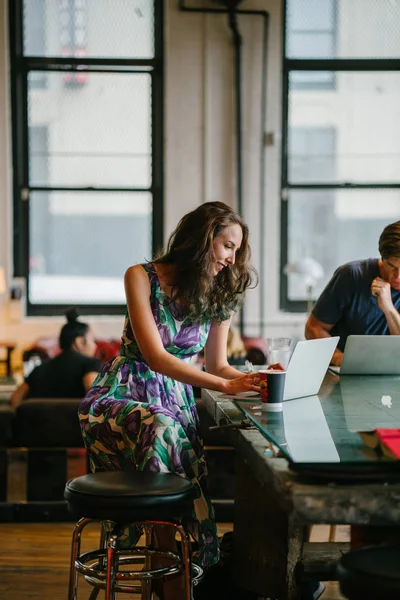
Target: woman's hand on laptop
[(249, 382), (276, 367)]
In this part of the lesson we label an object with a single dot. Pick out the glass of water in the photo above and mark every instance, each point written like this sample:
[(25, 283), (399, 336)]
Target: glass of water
[(279, 350)]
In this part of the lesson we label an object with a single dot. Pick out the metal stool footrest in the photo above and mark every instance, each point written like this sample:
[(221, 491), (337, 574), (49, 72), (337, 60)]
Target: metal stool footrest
[(108, 567), (99, 580), (95, 573)]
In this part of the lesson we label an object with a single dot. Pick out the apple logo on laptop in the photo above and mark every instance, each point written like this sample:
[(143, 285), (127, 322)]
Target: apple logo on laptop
[(386, 401)]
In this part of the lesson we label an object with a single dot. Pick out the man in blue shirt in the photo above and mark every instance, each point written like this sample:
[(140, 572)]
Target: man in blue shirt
[(362, 298)]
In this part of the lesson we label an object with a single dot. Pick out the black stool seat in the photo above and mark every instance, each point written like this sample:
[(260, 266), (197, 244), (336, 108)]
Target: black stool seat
[(371, 573), (125, 497)]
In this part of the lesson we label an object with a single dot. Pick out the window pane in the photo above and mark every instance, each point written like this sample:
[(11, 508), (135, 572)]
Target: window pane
[(82, 243), (89, 28), (312, 154), (306, 15), (357, 28), (98, 131), (318, 45), (363, 111), (334, 227), (312, 80)]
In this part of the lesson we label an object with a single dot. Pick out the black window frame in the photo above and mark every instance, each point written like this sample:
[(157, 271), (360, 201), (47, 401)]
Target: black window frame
[(332, 31), (334, 65), (21, 66)]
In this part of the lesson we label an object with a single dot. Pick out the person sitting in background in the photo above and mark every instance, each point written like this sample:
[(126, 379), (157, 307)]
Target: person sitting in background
[(362, 298), (68, 375), (236, 351)]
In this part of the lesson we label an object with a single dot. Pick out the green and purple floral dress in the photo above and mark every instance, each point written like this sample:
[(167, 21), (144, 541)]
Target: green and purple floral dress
[(134, 418)]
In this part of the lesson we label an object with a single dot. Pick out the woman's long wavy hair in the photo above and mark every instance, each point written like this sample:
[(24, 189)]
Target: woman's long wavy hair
[(190, 250)]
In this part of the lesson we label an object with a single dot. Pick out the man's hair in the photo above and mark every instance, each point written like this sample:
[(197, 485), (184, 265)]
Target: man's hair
[(389, 241), (190, 250)]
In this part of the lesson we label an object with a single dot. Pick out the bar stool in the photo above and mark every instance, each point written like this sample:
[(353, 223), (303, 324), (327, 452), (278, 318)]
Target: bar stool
[(118, 499), (370, 573)]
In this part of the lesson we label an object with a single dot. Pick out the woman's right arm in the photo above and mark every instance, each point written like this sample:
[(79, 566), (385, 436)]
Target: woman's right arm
[(19, 395), (137, 289)]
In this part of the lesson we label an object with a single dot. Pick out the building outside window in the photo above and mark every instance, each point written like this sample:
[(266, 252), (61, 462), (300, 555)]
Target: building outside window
[(87, 148), (341, 134)]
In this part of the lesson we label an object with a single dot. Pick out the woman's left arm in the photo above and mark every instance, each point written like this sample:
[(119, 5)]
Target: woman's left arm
[(215, 351)]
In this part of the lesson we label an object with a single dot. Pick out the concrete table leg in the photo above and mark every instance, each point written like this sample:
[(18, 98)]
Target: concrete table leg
[(267, 543)]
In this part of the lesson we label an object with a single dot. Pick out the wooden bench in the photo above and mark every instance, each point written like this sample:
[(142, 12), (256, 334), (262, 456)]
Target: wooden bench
[(43, 429)]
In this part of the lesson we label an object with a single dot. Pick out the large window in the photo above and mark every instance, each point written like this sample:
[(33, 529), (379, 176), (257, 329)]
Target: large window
[(311, 33), (87, 147), (341, 134)]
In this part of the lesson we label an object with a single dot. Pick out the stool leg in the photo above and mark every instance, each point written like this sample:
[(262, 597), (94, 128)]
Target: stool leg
[(112, 565), (75, 551), (186, 561), (101, 562), (94, 593), (146, 584)]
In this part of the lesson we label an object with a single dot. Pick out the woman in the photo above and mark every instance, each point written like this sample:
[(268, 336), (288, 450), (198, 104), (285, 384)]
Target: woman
[(68, 375), (140, 412)]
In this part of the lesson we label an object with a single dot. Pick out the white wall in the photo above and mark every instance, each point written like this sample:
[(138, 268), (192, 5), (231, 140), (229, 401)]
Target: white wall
[(200, 134), (199, 148)]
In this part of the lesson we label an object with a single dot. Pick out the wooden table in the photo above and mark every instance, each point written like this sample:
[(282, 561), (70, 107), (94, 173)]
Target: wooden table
[(272, 506)]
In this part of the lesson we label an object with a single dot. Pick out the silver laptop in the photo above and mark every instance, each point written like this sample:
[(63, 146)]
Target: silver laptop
[(307, 367), (371, 355), (305, 372), (371, 402)]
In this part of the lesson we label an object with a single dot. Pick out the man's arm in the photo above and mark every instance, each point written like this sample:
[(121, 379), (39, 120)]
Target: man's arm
[(393, 321), (381, 290), (316, 329), (331, 306)]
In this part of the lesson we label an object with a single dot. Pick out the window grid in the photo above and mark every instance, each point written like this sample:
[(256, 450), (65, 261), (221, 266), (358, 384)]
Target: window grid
[(317, 74), (74, 72)]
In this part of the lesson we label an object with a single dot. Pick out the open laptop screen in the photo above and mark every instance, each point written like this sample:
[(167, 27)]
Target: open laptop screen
[(371, 355)]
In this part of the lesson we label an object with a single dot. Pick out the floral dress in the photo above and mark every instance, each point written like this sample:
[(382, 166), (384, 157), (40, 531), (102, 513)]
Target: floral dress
[(135, 418)]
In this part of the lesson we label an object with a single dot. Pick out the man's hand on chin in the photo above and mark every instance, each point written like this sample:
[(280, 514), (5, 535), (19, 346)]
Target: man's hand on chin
[(381, 290)]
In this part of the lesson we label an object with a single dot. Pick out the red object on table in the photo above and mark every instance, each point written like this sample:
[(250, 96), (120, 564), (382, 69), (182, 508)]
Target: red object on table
[(391, 439)]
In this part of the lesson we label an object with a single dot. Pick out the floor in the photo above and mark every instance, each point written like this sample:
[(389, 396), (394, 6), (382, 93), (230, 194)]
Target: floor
[(34, 561), (34, 557)]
